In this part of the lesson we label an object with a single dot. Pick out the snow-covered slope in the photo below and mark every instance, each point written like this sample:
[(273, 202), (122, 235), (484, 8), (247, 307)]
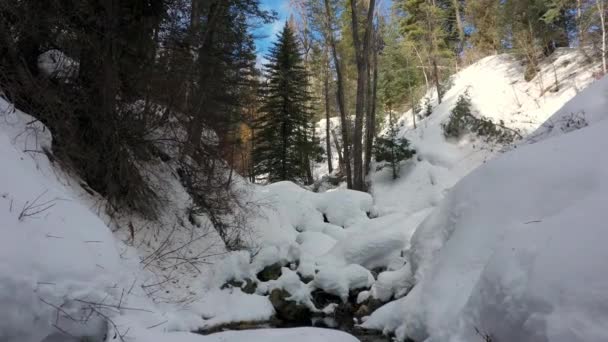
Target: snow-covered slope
[(498, 91), (514, 252)]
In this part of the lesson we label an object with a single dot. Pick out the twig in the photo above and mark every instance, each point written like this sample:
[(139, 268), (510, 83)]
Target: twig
[(155, 325), (32, 208)]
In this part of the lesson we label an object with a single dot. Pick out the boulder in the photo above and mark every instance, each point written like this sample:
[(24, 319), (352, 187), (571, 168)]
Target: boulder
[(288, 310), (248, 286), (272, 272)]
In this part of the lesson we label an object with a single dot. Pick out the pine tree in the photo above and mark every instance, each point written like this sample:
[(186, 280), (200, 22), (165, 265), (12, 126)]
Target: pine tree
[(390, 150), (283, 142)]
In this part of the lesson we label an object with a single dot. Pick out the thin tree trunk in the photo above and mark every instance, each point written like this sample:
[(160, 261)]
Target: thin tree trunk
[(433, 57), (362, 57), (411, 93), (579, 23), (437, 82), (338, 149), (393, 161), (459, 26), (330, 167), (371, 110), (340, 95), (600, 9), (426, 78)]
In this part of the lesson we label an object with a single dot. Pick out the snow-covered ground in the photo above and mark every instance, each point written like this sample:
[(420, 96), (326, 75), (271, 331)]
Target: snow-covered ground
[(508, 246)]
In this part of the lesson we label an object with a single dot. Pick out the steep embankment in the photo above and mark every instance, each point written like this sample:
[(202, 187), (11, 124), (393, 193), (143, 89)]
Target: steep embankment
[(512, 252)]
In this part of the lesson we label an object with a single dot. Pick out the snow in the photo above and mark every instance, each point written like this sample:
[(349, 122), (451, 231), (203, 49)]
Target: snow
[(340, 280), (262, 335), (218, 307), (43, 229), (515, 248), (392, 284), (290, 282)]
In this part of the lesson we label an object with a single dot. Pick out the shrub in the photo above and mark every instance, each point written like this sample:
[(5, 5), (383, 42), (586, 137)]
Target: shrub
[(390, 151), (462, 121), (428, 107)]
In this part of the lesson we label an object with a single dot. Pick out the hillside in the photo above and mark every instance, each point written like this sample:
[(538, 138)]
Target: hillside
[(491, 260)]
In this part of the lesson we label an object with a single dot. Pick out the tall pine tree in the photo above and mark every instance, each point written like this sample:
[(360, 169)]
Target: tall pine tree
[(283, 144)]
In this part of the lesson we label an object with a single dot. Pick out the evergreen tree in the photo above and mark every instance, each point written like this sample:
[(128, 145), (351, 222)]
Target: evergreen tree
[(283, 142), (390, 150)]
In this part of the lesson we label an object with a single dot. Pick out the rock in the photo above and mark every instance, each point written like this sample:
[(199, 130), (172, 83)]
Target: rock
[(362, 311), (305, 279), (321, 298), (287, 310), (377, 270), (368, 306), (249, 286), (272, 272)]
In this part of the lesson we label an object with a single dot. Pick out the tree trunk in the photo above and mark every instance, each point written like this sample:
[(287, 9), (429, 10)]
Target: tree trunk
[(370, 121), (362, 57), (330, 167), (196, 127), (437, 82), (393, 161), (600, 9), (426, 77), (411, 94), (433, 52), (579, 23), (459, 26), (338, 149), (340, 95)]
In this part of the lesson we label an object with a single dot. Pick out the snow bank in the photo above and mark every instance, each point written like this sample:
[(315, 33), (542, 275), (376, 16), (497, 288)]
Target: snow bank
[(232, 305), (261, 335), (53, 251), (514, 250)]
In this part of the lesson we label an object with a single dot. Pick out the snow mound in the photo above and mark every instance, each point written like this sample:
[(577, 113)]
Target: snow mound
[(515, 249), (339, 281)]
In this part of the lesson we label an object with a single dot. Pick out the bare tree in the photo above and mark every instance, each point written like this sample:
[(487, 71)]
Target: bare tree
[(340, 93), (362, 49)]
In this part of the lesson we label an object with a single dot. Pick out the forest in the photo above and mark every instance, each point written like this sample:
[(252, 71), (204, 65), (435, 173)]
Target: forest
[(134, 70)]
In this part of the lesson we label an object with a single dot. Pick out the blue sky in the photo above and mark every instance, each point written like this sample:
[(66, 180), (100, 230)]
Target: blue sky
[(269, 32)]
